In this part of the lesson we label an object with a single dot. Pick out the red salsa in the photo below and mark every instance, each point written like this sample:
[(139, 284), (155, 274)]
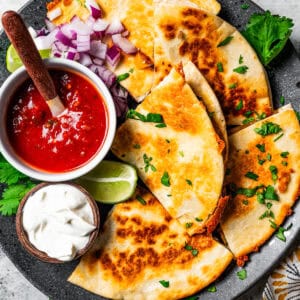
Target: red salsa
[(63, 143)]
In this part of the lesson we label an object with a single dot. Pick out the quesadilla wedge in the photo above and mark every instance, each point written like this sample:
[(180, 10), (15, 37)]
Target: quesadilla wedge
[(204, 92), (264, 179), (143, 253), (223, 56), (179, 157)]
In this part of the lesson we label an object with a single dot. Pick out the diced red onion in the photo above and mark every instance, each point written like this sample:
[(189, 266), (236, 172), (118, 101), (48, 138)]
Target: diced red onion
[(113, 55), (54, 13), (124, 44), (45, 42), (125, 33), (63, 38), (83, 43), (67, 30), (98, 61), (100, 25), (79, 27), (94, 8), (98, 49), (115, 27), (119, 91), (106, 75), (85, 59), (121, 106), (60, 46), (42, 32)]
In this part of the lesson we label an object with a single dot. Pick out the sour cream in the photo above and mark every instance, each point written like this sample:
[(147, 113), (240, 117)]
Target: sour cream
[(58, 220)]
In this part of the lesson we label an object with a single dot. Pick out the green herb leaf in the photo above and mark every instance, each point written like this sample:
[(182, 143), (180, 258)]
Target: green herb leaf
[(240, 105), (279, 137), (261, 147), (147, 161), (225, 41), (274, 172), (245, 6), (269, 157), (248, 113), (284, 163), (198, 219), (165, 180), (261, 161), (241, 69), (188, 247), (260, 198), (280, 234), (164, 283), (248, 120), (189, 182), (188, 225), (269, 205), (151, 117), (220, 67), (154, 118), (133, 114), (212, 289), (122, 77), (242, 274), (281, 100), (268, 34), (270, 193), (284, 154), (246, 192), (141, 200), (195, 252), (268, 128), (297, 115), (181, 153), (161, 125), (241, 59), (232, 86), (251, 175), (273, 224), (245, 202)]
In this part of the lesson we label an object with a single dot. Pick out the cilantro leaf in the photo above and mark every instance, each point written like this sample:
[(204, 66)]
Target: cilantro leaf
[(242, 274), (246, 192), (225, 42), (164, 283), (268, 128), (280, 232), (268, 34), (141, 200), (212, 289), (165, 179)]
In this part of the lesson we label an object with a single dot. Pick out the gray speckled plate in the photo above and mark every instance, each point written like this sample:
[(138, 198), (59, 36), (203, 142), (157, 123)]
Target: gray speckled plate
[(284, 75)]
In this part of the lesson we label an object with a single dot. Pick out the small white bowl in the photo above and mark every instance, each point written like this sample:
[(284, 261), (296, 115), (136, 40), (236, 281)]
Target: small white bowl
[(9, 88)]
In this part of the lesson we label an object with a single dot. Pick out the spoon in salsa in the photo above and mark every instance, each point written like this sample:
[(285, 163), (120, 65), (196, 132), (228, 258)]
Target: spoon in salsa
[(23, 43)]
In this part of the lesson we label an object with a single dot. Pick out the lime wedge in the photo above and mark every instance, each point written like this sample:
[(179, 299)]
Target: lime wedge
[(110, 182), (13, 61)]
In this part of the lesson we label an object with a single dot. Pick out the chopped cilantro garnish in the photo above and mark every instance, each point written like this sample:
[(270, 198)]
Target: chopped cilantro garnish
[(270, 193), (251, 175), (241, 59), (248, 120), (267, 214), (260, 198), (211, 114), (273, 224), (284, 163), (191, 298), (122, 77), (240, 105), (150, 117), (279, 137), (269, 157), (245, 202), (261, 147), (188, 225), (181, 153), (225, 41), (246, 192), (274, 172), (262, 116), (137, 146), (198, 219), (212, 289), (268, 128), (261, 161), (232, 86), (141, 200), (165, 179), (164, 283), (284, 154), (297, 115), (189, 182), (241, 69), (195, 252), (280, 232), (147, 161), (168, 141), (131, 70), (248, 113), (242, 274), (188, 247), (161, 125), (268, 34), (281, 100), (269, 205), (245, 6), (220, 67)]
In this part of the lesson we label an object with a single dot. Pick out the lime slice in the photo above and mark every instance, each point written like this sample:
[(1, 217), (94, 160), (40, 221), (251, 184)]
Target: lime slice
[(110, 182), (13, 61)]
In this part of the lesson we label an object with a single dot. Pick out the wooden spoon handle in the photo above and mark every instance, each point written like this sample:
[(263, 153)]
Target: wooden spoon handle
[(26, 49)]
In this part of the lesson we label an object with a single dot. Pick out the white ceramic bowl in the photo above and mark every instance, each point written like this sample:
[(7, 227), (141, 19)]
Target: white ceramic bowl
[(8, 89)]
